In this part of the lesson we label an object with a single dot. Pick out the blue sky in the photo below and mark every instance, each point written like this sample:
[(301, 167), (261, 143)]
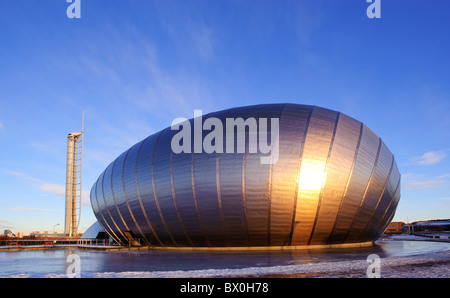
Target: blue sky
[(134, 66)]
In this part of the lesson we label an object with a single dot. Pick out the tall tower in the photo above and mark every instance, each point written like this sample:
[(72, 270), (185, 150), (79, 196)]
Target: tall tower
[(73, 181)]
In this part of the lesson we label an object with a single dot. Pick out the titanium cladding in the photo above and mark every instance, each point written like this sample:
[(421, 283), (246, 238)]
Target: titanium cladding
[(275, 175)]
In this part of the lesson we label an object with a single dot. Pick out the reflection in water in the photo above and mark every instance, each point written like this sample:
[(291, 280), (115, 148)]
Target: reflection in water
[(43, 262)]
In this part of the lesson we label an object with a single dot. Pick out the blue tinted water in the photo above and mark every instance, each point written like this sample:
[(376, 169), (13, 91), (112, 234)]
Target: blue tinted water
[(53, 262)]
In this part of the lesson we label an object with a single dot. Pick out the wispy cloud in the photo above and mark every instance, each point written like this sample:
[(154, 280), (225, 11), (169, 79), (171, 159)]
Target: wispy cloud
[(5, 224), (203, 41), (34, 209), (22, 175), (60, 191), (50, 188), (2, 126), (425, 184), (430, 158), (56, 189), (412, 182), (50, 148), (310, 18)]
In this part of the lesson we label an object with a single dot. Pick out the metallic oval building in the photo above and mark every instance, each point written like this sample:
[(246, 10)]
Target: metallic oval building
[(334, 182)]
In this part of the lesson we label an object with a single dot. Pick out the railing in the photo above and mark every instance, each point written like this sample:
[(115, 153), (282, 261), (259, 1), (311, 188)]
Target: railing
[(96, 242), (18, 243), (35, 242)]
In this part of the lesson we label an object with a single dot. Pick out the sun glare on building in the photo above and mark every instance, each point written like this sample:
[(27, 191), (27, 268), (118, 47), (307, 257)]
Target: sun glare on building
[(312, 176)]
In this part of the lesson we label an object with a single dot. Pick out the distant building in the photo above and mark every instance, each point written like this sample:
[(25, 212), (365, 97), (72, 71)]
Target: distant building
[(395, 228), (45, 234), (432, 226), (8, 233), (95, 231)]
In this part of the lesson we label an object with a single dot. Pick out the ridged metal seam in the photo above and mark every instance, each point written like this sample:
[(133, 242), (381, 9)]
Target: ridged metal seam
[(206, 181), (194, 193), (378, 201), (174, 198), (112, 208), (98, 213), (149, 207), (365, 191), (141, 234), (244, 206), (154, 190), (93, 198), (377, 185), (109, 230), (182, 185), (219, 200), (389, 192), (102, 219), (112, 188), (292, 125), (257, 182), (227, 227), (347, 184), (324, 173), (117, 230), (130, 197), (136, 180), (94, 204), (384, 219), (270, 114), (219, 193), (364, 163), (300, 159), (315, 152), (243, 113), (100, 209), (336, 177), (269, 194), (390, 210)]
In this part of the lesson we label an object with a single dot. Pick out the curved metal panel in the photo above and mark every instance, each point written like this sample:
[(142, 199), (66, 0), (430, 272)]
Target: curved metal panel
[(115, 221), (338, 171), (183, 192), (258, 179), (139, 214), (334, 182), (386, 198), (95, 207), (149, 201), (390, 211), (312, 172), (206, 190), (293, 124), (101, 202), (163, 189), (232, 186), (117, 192), (373, 194), (104, 217), (93, 199), (128, 201), (362, 171)]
